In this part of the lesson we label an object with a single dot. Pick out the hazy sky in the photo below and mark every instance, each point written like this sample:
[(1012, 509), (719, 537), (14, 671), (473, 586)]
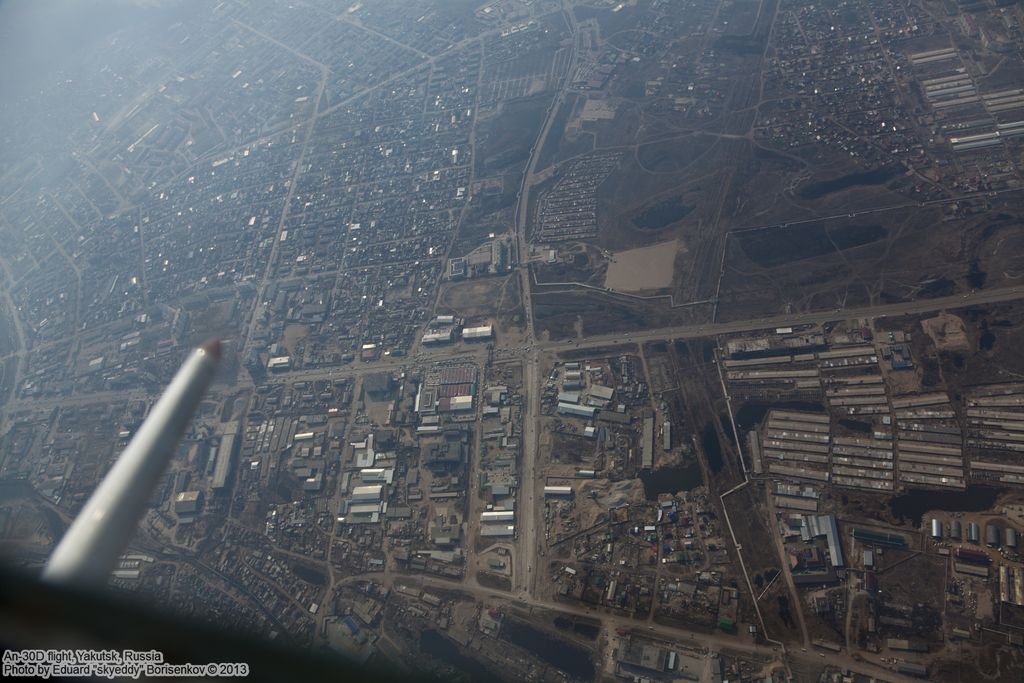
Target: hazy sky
[(43, 43), (39, 38)]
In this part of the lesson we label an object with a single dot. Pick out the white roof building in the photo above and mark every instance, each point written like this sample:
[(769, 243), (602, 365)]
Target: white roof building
[(477, 333), (374, 475), (564, 491), (461, 403), (441, 337), (492, 516), (367, 493), (279, 363)]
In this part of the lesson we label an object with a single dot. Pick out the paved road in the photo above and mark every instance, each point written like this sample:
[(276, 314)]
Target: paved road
[(523, 592), (709, 641), (473, 353), (789, 319), (528, 499), (524, 578), (780, 551)]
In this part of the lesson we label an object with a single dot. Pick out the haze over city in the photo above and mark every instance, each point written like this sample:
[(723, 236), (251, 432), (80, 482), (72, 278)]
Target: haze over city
[(559, 339)]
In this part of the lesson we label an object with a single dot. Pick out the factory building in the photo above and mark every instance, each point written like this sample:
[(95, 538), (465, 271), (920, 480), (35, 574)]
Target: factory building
[(558, 492), (438, 337), (456, 404), (972, 556), (973, 570), (481, 333), (279, 364), (188, 502), (912, 669), (904, 645), (377, 475), (576, 411), (364, 452), (363, 513), (492, 516), (225, 456), (814, 526), (647, 444), (367, 493)]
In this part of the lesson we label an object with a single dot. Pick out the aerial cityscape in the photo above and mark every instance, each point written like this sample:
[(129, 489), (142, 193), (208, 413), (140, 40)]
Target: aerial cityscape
[(562, 340)]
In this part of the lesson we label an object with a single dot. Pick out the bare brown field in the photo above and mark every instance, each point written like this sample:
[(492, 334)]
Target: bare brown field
[(645, 268), (947, 331), (472, 298)]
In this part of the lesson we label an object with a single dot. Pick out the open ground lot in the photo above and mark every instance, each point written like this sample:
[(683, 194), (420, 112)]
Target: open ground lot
[(644, 268)]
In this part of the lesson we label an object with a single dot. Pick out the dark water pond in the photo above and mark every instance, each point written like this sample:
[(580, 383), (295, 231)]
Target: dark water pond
[(571, 659), (309, 574), (661, 214), (590, 631), (913, 504), (671, 480), (441, 648), (876, 177), (712, 448)]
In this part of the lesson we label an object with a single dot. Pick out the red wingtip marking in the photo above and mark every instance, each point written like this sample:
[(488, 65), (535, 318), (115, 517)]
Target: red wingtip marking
[(212, 347)]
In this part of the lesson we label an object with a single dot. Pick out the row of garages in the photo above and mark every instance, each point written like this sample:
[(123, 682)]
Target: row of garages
[(929, 441), (995, 422)]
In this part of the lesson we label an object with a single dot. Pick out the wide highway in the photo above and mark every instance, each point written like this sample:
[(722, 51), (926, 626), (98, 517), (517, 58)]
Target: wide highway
[(474, 353), (790, 319)]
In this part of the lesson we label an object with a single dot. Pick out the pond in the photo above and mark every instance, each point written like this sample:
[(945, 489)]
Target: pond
[(671, 480), (913, 504), (877, 176), (712, 448), (587, 630), (443, 649), (663, 213), (571, 659)]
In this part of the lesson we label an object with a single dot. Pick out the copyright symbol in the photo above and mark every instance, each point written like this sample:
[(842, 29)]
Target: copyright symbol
[(211, 669)]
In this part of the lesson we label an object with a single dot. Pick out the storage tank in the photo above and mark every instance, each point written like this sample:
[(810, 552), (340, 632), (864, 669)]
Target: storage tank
[(992, 534), (936, 529), (1010, 538), (954, 529), (973, 533)]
